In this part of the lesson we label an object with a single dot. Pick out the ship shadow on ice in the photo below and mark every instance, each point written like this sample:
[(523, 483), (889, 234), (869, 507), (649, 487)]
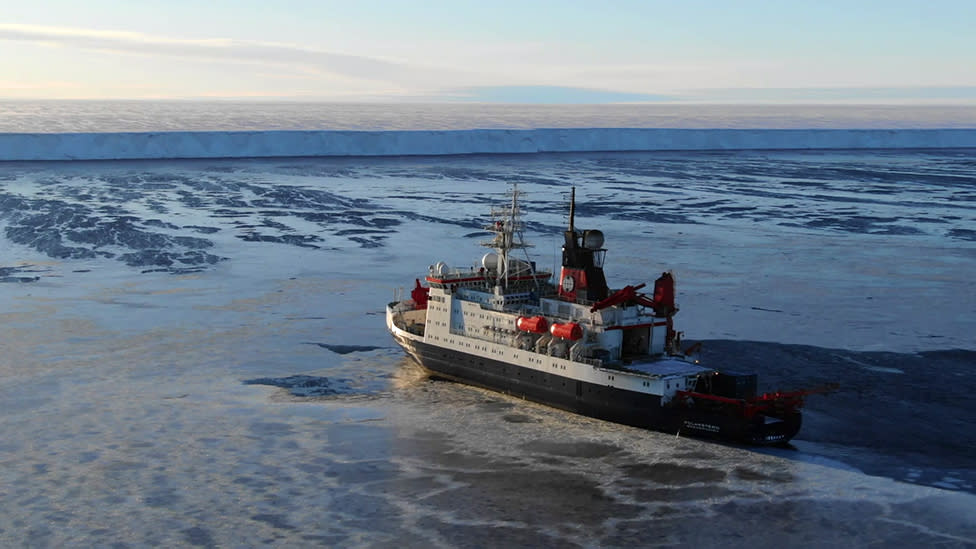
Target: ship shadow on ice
[(906, 416)]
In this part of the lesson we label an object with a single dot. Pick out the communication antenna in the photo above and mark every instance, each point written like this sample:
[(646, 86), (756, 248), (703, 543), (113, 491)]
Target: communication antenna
[(572, 207)]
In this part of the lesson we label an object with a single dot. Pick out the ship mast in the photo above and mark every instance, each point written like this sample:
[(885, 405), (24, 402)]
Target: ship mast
[(572, 209), (508, 228)]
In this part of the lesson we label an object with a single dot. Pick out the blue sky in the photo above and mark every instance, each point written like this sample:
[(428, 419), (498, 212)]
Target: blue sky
[(498, 51)]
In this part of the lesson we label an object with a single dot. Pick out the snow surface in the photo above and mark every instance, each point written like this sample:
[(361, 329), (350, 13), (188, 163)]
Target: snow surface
[(264, 144)]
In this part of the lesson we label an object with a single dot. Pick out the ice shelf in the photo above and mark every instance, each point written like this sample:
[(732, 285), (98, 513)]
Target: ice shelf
[(264, 144)]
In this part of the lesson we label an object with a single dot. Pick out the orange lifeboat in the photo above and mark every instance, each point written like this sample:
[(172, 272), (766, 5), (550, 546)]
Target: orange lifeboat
[(534, 324), (571, 331)]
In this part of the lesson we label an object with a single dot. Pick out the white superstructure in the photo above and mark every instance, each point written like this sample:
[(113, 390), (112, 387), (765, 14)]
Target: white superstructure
[(488, 312)]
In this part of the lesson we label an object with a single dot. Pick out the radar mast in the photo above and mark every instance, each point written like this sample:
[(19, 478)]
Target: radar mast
[(509, 232)]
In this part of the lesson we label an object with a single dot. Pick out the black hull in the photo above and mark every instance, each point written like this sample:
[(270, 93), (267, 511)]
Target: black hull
[(599, 401)]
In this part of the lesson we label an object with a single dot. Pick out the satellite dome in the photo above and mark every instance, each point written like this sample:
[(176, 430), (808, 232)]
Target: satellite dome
[(490, 261), (593, 240)]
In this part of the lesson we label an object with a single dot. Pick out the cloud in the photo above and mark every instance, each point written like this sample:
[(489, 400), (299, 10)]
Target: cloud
[(227, 50)]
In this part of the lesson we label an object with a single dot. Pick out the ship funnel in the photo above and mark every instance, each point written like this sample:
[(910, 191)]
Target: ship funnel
[(582, 273)]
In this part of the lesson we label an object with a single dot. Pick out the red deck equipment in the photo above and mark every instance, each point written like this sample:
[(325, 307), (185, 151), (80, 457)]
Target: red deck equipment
[(570, 330), (534, 324)]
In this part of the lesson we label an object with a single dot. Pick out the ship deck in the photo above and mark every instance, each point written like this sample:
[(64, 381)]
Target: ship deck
[(662, 367)]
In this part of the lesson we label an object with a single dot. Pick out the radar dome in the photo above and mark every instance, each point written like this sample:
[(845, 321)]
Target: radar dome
[(490, 261), (593, 240)]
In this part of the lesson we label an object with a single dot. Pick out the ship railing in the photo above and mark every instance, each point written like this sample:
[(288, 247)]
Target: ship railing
[(402, 306), (458, 272)]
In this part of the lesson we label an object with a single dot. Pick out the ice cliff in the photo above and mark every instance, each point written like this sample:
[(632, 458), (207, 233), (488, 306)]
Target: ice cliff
[(253, 144)]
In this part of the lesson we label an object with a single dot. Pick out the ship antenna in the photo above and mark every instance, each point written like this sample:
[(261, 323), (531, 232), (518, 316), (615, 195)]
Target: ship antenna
[(572, 208)]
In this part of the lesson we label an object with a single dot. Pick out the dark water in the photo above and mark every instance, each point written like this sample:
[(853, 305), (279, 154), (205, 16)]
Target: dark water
[(193, 353)]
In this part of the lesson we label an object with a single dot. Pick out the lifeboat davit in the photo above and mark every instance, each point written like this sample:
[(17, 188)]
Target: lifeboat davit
[(534, 324), (571, 330)]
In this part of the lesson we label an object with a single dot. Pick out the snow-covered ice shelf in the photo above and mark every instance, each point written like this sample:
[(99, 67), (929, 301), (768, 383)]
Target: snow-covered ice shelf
[(267, 144)]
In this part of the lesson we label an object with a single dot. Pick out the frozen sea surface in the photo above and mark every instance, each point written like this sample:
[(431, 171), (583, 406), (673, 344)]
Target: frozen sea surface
[(161, 317)]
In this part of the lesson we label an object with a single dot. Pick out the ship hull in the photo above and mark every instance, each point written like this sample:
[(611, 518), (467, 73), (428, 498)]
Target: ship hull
[(598, 401)]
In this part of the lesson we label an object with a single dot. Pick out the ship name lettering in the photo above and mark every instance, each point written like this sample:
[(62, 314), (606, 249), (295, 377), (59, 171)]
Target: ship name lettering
[(702, 426)]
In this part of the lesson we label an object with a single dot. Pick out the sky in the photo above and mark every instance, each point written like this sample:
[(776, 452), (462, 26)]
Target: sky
[(525, 51)]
